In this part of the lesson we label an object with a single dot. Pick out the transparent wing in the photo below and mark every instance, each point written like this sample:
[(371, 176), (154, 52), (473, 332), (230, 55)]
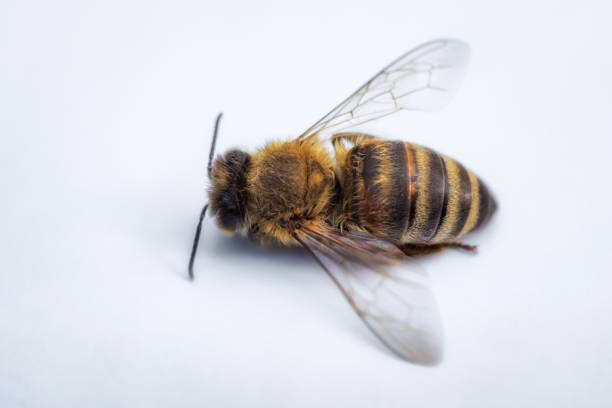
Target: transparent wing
[(395, 304), (424, 78)]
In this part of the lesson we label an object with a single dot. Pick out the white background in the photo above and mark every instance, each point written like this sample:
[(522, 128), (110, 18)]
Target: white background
[(106, 110)]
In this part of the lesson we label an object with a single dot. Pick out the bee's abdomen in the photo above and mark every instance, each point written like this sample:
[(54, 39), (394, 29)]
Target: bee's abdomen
[(410, 194)]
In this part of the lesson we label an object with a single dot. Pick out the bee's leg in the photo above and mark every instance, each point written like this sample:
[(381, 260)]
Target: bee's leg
[(459, 245), (411, 249), (414, 249)]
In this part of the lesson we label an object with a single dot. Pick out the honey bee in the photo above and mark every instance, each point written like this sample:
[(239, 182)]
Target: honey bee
[(367, 207)]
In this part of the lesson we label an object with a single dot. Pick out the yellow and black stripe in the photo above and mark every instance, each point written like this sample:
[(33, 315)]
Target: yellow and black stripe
[(410, 194)]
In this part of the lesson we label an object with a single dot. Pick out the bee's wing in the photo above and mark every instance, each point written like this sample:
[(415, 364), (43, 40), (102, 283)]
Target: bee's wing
[(424, 78), (395, 304)]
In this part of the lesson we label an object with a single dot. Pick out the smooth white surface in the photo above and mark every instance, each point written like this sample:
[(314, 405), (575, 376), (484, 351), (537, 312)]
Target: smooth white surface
[(106, 111)]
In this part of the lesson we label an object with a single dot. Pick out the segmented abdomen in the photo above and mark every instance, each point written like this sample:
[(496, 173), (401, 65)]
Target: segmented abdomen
[(411, 194)]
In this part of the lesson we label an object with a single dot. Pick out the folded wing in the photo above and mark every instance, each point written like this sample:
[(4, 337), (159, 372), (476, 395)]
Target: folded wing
[(424, 78), (394, 302)]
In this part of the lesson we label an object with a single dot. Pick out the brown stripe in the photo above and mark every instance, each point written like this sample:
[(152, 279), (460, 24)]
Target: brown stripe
[(398, 205), (372, 212), (474, 205), (445, 198), (485, 208), (412, 183), (465, 199), (436, 186), (420, 193)]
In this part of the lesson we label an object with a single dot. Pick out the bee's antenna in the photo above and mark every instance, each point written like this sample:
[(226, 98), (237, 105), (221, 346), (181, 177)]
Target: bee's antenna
[(196, 239), (214, 143)]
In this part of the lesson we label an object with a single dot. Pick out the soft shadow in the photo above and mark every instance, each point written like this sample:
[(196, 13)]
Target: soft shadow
[(171, 231), (241, 247)]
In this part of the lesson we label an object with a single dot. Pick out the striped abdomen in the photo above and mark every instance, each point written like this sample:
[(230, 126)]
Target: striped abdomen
[(410, 194)]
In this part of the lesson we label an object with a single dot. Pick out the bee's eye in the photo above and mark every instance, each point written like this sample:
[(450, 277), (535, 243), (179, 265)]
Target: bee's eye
[(229, 215), (227, 195), (228, 221)]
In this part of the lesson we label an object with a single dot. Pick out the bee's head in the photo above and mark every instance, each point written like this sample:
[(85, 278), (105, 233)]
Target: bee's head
[(227, 195), (227, 192)]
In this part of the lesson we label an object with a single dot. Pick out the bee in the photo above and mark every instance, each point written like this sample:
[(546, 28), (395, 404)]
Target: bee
[(368, 206)]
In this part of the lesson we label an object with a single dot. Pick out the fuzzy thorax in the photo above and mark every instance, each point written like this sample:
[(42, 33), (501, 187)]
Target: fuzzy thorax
[(288, 184)]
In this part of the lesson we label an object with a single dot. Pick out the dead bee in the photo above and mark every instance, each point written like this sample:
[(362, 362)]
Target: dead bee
[(367, 207)]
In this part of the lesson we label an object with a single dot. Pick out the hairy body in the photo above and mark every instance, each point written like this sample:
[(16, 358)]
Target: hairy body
[(397, 191)]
